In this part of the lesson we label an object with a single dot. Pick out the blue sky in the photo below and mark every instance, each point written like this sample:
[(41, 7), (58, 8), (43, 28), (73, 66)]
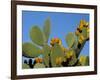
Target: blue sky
[(61, 24)]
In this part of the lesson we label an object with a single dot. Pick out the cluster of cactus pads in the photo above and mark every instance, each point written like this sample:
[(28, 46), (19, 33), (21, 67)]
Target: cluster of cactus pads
[(55, 54)]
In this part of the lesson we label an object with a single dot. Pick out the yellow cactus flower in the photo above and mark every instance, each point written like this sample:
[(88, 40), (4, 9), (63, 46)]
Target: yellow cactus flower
[(64, 49), (58, 60), (80, 27), (55, 40), (38, 60), (69, 54), (82, 58), (82, 37), (80, 41), (87, 24), (88, 33), (82, 22), (77, 33), (88, 30)]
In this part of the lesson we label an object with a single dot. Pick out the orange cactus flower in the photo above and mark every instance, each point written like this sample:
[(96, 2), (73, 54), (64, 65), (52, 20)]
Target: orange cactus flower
[(39, 60)]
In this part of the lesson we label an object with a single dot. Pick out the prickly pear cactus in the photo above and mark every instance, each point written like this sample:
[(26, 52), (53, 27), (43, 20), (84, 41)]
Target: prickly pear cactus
[(54, 54)]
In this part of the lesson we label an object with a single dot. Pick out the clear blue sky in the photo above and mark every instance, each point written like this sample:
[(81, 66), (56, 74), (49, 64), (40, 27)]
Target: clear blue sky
[(61, 24)]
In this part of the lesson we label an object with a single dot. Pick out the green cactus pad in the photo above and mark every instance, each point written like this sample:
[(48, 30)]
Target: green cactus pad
[(46, 29), (37, 35), (84, 33), (70, 39), (46, 52), (39, 65), (56, 52), (30, 50), (75, 43)]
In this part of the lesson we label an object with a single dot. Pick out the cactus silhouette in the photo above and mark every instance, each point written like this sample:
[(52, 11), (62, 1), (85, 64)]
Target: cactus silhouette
[(55, 54)]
